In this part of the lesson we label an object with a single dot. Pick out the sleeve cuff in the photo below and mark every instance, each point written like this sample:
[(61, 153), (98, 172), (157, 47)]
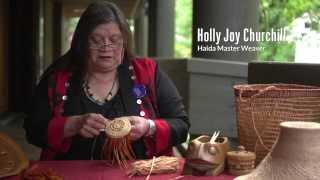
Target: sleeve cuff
[(56, 140), (162, 136)]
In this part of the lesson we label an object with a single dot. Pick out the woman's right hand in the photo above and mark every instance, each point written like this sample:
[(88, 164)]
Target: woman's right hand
[(86, 125)]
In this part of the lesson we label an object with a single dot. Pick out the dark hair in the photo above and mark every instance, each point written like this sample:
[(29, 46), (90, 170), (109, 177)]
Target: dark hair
[(96, 13)]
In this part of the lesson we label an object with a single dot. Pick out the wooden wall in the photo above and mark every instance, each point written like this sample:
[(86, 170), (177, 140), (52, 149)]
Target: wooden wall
[(3, 55)]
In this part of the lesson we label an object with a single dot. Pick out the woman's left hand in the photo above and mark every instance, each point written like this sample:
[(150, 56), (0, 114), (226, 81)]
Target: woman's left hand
[(140, 127)]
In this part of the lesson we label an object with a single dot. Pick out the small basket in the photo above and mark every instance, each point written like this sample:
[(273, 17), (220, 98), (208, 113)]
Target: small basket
[(240, 162)]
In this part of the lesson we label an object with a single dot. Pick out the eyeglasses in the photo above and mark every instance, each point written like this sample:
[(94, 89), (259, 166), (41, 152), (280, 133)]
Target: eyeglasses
[(115, 42)]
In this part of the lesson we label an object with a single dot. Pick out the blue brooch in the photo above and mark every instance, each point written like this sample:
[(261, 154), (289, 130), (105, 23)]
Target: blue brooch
[(139, 90)]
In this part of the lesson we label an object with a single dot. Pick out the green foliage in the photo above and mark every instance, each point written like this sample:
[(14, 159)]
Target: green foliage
[(281, 13), (272, 14), (183, 28), (282, 52)]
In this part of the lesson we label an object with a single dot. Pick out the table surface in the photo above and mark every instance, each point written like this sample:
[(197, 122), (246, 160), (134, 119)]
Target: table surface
[(98, 170)]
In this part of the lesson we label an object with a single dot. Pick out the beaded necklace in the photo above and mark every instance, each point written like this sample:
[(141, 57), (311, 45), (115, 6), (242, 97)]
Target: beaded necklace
[(90, 95)]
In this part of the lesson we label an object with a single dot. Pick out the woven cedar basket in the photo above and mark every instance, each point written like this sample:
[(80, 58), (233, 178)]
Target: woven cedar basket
[(240, 162), (261, 107)]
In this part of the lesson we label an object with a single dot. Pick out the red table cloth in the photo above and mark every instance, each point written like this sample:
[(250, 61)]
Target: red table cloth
[(98, 170)]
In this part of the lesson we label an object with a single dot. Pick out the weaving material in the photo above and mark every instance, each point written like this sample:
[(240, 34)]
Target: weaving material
[(295, 156), (117, 147), (157, 165), (261, 107)]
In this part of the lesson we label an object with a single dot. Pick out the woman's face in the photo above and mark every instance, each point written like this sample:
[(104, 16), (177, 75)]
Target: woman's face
[(105, 48)]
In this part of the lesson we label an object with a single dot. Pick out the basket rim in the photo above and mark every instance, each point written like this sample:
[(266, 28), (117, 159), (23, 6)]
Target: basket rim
[(276, 90), (278, 84)]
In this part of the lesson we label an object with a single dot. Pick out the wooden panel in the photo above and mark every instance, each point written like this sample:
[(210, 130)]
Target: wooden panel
[(3, 55), (74, 8)]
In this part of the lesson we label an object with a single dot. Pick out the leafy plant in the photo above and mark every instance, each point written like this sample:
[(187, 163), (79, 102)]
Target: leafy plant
[(272, 14), (183, 28), (281, 13)]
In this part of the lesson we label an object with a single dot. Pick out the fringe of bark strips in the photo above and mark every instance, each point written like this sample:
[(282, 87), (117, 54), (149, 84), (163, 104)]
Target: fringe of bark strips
[(119, 151)]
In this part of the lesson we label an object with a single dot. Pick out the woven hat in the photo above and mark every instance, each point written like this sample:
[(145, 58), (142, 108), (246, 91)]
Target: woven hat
[(12, 158), (295, 156), (117, 146), (118, 128)]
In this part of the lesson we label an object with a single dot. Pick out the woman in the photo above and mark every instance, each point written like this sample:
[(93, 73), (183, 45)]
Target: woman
[(97, 80)]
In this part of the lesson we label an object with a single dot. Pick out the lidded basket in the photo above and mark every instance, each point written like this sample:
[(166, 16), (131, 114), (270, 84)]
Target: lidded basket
[(240, 162)]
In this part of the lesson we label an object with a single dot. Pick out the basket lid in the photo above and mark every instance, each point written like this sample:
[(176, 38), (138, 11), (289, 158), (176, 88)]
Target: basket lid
[(241, 153)]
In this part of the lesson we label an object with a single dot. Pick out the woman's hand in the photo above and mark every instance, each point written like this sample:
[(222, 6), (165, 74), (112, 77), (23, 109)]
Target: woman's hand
[(140, 127), (87, 125)]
